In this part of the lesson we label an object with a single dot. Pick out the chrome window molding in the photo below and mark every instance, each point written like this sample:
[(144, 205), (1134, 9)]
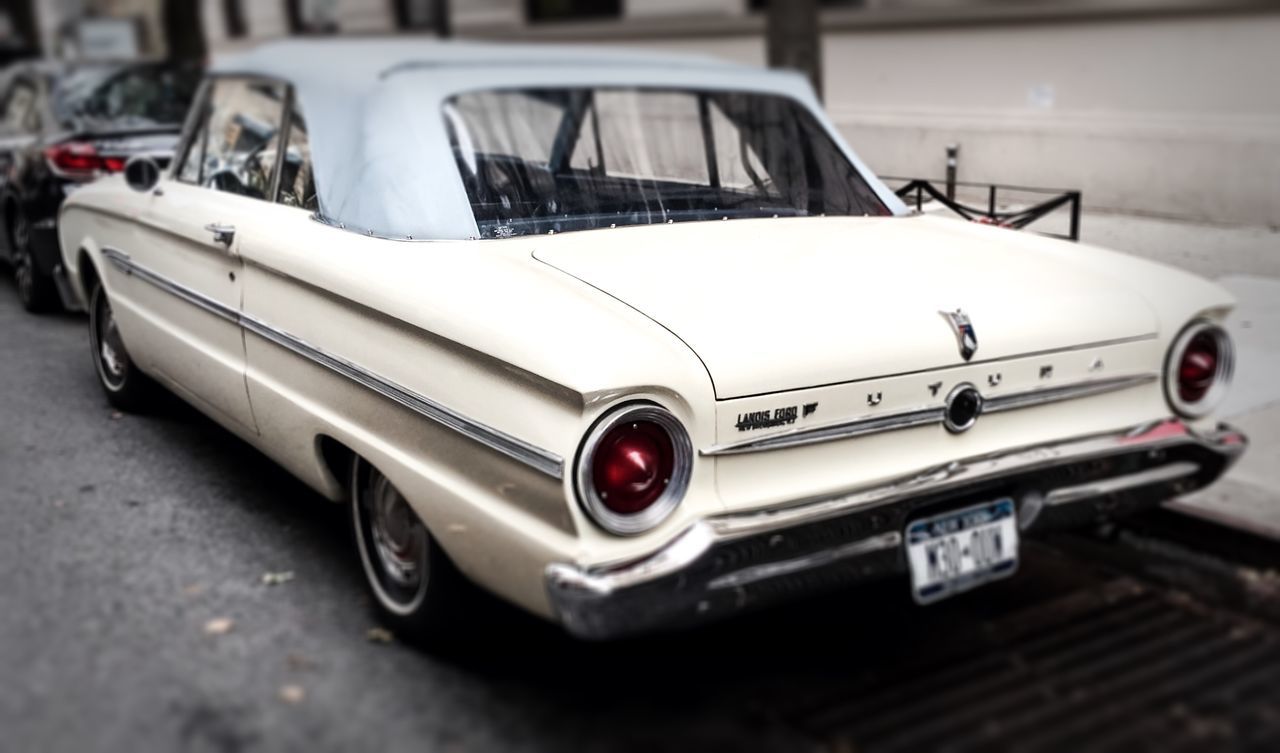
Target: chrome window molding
[(517, 449), (925, 416), (320, 218)]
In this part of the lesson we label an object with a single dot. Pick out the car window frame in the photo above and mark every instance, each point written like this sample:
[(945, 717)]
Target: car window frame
[(189, 130), (197, 117), (286, 136), (808, 121), (282, 152)]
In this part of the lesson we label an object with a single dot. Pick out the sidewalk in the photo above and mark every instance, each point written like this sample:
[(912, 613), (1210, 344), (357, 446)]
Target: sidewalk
[(1246, 261)]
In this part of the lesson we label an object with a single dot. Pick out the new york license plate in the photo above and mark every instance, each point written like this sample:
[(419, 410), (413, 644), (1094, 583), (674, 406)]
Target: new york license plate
[(962, 549)]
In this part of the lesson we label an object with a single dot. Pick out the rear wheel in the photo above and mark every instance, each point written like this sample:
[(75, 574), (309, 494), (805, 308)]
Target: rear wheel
[(126, 388), (36, 292), (417, 591)]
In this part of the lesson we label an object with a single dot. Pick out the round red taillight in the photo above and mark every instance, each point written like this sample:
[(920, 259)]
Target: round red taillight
[(634, 468), (1199, 369)]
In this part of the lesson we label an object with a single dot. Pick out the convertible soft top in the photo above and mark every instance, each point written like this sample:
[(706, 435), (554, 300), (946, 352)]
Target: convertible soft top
[(379, 144)]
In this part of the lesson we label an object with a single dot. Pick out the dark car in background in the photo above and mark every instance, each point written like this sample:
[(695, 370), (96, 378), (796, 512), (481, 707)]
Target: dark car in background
[(63, 125)]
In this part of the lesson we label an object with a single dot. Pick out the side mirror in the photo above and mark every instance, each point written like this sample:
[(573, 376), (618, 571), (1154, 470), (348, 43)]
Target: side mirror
[(141, 173)]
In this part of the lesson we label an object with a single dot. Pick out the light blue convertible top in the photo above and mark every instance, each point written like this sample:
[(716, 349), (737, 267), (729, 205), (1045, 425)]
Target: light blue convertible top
[(382, 159)]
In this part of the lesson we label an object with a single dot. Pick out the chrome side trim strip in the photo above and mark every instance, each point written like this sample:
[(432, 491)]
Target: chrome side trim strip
[(1171, 472), (929, 415), (318, 217), (980, 362), (844, 430), (1045, 395), (125, 264), (517, 449)]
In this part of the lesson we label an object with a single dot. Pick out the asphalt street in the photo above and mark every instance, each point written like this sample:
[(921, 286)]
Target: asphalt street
[(164, 587), (123, 537)]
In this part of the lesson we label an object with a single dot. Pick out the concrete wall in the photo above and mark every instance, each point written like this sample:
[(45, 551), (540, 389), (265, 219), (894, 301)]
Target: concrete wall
[(1148, 113), (54, 16), (1170, 116), (1176, 116), (268, 19)]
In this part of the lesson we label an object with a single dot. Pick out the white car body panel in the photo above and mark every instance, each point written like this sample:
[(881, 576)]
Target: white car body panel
[(798, 302), (538, 337)]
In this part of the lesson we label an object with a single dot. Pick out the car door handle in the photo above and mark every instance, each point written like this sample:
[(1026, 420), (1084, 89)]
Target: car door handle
[(223, 234)]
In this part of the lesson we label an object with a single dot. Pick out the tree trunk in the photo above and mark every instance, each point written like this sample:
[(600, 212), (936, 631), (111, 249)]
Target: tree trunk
[(23, 15), (794, 39), (440, 18), (184, 31)]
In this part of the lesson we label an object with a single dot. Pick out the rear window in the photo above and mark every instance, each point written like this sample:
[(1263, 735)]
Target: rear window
[(544, 160), (140, 96)]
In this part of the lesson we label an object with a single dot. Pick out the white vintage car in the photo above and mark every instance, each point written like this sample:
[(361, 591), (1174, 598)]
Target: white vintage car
[(630, 341)]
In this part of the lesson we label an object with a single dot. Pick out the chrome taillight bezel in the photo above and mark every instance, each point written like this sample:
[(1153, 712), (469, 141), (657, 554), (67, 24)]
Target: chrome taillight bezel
[(682, 469), (1224, 368)]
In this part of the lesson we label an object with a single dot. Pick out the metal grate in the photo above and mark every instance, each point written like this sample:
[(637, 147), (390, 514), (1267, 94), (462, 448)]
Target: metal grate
[(1125, 667)]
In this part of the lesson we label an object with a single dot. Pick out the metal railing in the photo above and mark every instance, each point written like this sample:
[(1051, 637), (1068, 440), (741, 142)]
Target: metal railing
[(915, 190)]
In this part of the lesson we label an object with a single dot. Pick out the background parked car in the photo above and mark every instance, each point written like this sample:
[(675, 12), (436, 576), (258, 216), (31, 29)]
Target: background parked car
[(63, 125)]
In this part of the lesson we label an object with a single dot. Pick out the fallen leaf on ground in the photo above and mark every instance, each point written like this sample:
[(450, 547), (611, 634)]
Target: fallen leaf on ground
[(292, 694), (379, 635), (275, 579), (219, 626), (195, 589), (300, 663)]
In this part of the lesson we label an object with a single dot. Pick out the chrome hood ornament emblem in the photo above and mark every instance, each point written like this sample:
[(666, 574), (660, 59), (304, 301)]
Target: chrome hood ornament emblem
[(965, 336)]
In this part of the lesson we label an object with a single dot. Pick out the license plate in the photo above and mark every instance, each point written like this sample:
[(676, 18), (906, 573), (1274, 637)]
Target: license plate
[(962, 549)]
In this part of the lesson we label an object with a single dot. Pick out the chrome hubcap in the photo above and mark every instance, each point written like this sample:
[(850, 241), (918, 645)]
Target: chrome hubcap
[(111, 352), (396, 534), (393, 543), (22, 273), (21, 232)]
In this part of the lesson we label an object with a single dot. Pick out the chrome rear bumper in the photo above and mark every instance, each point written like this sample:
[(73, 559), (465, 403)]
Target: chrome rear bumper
[(729, 563)]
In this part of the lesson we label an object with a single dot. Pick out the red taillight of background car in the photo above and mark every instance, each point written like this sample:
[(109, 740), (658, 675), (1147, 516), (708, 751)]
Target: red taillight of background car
[(79, 160), (1199, 369), (634, 468)]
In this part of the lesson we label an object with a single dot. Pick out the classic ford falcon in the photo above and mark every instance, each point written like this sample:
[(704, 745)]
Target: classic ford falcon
[(756, 376)]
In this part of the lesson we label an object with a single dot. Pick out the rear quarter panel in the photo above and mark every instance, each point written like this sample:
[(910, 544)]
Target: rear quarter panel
[(485, 330)]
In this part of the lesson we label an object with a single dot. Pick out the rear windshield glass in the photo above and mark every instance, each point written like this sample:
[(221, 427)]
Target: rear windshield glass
[(553, 160), (136, 96)]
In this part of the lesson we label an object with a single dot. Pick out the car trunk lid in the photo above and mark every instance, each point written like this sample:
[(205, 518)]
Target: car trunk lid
[(784, 304)]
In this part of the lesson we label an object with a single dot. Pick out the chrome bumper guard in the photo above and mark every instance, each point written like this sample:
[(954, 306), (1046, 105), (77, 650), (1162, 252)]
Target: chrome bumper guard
[(730, 563)]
